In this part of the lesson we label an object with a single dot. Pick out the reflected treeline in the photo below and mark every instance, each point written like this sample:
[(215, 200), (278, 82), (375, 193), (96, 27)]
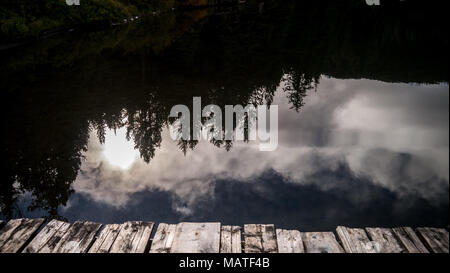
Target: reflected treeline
[(60, 88)]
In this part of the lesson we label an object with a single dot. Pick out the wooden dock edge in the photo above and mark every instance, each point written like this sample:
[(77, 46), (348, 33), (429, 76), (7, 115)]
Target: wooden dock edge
[(54, 236)]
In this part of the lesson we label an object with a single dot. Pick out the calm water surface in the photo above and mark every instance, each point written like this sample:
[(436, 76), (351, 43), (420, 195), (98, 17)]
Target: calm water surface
[(363, 120)]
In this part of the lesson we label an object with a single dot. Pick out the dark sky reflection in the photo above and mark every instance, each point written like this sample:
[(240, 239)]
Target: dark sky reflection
[(272, 199)]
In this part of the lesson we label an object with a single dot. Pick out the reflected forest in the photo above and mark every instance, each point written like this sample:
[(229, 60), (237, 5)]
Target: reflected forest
[(60, 88)]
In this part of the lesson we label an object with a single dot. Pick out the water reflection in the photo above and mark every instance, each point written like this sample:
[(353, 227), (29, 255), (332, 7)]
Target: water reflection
[(118, 150), (347, 148), (359, 125)]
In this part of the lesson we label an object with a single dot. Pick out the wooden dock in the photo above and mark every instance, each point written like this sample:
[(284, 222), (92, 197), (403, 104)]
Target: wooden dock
[(37, 236)]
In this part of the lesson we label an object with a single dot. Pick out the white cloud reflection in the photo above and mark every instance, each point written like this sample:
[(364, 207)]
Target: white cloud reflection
[(117, 150), (395, 135)]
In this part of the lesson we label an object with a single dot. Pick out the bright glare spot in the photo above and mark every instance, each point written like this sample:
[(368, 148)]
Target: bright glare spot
[(117, 150)]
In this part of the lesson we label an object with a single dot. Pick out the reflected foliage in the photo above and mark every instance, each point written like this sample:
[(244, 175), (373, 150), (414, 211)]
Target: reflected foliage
[(61, 88), (31, 18)]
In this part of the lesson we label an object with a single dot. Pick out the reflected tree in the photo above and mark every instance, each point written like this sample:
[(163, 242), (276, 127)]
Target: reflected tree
[(297, 85)]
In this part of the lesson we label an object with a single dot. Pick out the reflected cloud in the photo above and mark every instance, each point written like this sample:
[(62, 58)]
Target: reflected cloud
[(393, 135), (117, 150)]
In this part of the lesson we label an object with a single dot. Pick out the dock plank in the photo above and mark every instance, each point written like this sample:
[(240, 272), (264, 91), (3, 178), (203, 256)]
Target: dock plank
[(230, 239), (252, 239), (133, 237), (196, 238), (236, 241), (43, 236), (410, 240), (289, 241), (435, 238), (260, 238), (106, 239), (225, 239), (77, 238), (355, 240), (163, 239), (142, 238), (20, 235), (8, 230), (321, 242), (386, 241), (51, 244)]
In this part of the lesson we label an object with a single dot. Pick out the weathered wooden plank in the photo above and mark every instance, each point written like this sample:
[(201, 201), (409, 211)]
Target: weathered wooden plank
[(53, 241), (321, 242), (163, 239), (78, 238), (289, 241), (142, 238), (196, 238), (8, 230), (355, 240), (21, 234), (133, 237), (236, 241), (260, 239), (225, 239), (386, 242), (106, 239), (252, 239), (230, 239), (43, 236), (410, 240), (435, 238), (269, 238)]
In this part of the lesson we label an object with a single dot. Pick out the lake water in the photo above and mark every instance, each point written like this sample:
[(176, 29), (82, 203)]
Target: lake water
[(363, 120)]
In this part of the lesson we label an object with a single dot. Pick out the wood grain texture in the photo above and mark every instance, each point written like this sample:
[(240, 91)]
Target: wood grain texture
[(386, 240), (225, 239), (260, 238), (236, 241), (321, 242), (163, 240), (20, 234), (355, 240), (435, 238), (106, 239), (51, 244), (410, 240), (43, 237), (230, 239), (196, 238), (78, 238), (133, 237), (289, 241), (7, 231)]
